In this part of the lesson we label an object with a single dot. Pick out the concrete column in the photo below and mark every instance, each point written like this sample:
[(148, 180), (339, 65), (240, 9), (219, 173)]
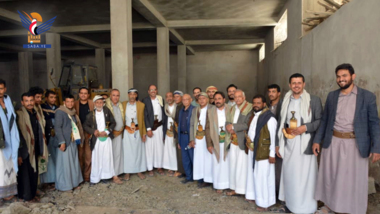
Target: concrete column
[(53, 58), (100, 62), (181, 52), (121, 46), (163, 65), (25, 68)]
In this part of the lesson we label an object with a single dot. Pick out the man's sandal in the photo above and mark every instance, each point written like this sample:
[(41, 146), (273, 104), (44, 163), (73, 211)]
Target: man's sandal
[(324, 210)]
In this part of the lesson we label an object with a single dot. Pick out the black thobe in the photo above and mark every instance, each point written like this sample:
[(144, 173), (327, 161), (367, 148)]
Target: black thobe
[(27, 179)]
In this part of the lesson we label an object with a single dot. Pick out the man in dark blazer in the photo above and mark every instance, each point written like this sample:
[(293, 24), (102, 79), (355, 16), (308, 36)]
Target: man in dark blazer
[(100, 123), (350, 133), (184, 137), (155, 117)]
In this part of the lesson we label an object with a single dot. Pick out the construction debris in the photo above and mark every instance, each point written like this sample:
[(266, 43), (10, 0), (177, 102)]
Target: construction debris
[(317, 18)]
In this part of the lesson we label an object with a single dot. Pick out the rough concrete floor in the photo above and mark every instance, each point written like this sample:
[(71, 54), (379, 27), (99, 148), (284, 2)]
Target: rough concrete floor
[(158, 194)]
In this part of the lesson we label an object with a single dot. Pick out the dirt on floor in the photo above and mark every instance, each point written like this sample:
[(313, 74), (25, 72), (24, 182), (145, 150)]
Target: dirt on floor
[(158, 194)]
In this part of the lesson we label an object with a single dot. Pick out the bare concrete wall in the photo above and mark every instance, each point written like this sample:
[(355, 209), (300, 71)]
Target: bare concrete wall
[(350, 35), (221, 68)]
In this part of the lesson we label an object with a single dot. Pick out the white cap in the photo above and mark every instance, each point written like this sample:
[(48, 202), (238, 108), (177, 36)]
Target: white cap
[(97, 97)]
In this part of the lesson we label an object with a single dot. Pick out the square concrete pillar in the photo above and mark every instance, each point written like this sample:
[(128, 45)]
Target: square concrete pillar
[(25, 69), (121, 46), (100, 62), (53, 58), (163, 65), (181, 52)]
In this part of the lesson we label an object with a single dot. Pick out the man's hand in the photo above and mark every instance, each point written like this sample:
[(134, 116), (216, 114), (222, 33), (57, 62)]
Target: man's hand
[(316, 149), (144, 138), (299, 130), (103, 134), (192, 144), (62, 147), (210, 149), (248, 146), (96, 133), (375, 157), (272, 160), (19, 160), (149, 133), (179, 147), (229, 128), (278, 151)]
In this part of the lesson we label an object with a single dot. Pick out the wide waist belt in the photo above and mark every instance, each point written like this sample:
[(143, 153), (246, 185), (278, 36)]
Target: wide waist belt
[(234, 139), (344, 135), (184, 132), (130, 130), (117, 133)]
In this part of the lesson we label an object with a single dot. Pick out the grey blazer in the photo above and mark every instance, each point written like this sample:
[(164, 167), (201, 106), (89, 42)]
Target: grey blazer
[(194, 120), (366, 122), (240, 126), (312, 127), (63, 127)]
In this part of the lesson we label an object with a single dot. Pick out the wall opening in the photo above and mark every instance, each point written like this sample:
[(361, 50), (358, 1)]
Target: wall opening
[(281, 30)]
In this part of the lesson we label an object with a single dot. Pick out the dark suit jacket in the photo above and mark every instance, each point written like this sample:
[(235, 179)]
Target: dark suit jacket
[(191, 107), (90, 125), (277, 116), (179, 107), (312, 127), (366, 122), (240, 126), (149, 115)]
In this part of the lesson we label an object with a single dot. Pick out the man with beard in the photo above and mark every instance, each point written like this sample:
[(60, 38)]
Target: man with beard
[(202, 169), (350, 133), (69, 133), (210, 93), (231, 92), (37, 93), (49, 109), (299, 167), (178, 100), (261, 186), (216, 142), (237, 126), (170, 156), (33, 150), (9, 144), (274, 94), (83, 106), (155, 118), (101, 124), (196, 92), (116, 107), (134, 136)]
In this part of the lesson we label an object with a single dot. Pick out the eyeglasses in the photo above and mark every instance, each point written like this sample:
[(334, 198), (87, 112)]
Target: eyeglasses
[(153, 90)]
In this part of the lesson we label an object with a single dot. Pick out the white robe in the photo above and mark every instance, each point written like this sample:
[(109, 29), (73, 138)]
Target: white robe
[(154, 146), (261, 181), (299, 172), (133, 147), (170, 153), (238, 164), (202, 168), (221, 176), (102, 158)]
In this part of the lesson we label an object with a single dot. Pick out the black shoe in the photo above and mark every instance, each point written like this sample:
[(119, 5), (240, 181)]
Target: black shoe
[(203, 185), (185, 181), (181, 176), (92, 184)]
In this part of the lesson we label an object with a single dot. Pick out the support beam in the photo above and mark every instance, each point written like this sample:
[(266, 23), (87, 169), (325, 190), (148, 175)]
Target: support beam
[(225, 42), (100, 62), (25, 70), (53, 59), (10, 16), (177, 38), (77, 29), (149, 12), (82, 40), (181, 52), (121, 46), (207, 23), (163, 64)]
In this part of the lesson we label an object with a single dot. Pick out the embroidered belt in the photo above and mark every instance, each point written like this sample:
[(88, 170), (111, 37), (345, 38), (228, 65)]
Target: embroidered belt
[(234, 140), (117, 133), (200, 134), (130, 130), (222, 137)]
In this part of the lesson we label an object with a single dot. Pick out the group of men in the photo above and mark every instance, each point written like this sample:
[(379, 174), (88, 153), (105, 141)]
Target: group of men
[(250, 149)]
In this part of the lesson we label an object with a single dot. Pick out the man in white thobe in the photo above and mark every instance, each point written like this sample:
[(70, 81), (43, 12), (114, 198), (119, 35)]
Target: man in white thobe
[(261, 182), (299, 167), (101, 124), (134, 136), (216, 142), (154, 119), (202, 167), (170, 155)]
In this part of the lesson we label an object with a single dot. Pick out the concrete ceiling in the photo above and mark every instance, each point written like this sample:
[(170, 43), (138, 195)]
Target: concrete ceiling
[(189, 21)]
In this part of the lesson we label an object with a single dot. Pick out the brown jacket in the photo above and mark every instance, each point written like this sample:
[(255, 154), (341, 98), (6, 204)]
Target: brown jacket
[(140, 106), (90, 105)]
